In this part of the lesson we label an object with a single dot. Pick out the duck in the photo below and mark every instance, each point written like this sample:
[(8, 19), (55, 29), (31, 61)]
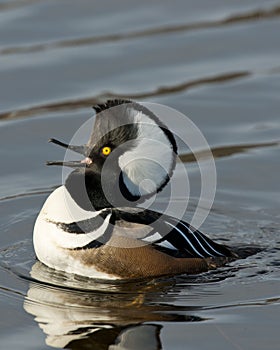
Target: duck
[(95, 224)]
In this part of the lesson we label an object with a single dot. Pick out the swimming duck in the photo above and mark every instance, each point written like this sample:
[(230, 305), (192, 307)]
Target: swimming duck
[(93, 225)]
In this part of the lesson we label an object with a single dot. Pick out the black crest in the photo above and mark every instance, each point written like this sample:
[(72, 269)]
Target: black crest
[(109, 104)]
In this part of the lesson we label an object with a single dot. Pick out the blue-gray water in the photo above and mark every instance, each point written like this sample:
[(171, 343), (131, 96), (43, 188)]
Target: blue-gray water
[(215, 61)]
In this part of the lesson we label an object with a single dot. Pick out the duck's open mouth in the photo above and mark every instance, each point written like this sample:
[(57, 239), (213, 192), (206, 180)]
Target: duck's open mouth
[(75, 163)]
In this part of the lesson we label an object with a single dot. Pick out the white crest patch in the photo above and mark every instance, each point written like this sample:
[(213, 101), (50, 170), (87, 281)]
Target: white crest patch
[(147, 165)]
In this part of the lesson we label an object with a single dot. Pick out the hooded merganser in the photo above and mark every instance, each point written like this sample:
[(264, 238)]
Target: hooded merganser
[(92, 225)]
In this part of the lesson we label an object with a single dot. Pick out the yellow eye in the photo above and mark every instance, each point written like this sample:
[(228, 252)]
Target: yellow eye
[(106, 150)]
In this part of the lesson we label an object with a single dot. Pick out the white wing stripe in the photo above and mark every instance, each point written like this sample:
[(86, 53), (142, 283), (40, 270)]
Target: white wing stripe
[(210, 245), (207, 252), (166, 244), (193, 248), (155, 237)]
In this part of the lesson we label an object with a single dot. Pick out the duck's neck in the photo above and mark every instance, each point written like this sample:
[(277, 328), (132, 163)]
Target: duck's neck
[(86, 188)]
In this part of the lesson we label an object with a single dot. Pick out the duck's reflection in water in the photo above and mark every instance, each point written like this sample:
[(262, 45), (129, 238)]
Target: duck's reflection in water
[(104, 316)]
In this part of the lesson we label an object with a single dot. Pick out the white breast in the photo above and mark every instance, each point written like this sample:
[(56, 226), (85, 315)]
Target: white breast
[(61, 207), (51, 243)]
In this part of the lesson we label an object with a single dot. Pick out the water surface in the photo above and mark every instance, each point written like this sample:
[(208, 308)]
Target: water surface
[(216, 62)]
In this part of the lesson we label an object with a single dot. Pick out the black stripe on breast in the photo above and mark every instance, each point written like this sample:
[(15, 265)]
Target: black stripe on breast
[(91, 245), (84, 226), (104, 238), (145, 217)]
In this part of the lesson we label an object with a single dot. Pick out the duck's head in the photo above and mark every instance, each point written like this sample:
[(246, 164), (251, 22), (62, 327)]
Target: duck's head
[(129, 157)]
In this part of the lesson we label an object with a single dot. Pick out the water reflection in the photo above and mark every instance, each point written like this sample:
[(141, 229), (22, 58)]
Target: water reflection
[(101, 315)]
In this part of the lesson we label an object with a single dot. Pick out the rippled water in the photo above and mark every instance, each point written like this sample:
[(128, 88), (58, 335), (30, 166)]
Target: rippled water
[(218, 63)]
